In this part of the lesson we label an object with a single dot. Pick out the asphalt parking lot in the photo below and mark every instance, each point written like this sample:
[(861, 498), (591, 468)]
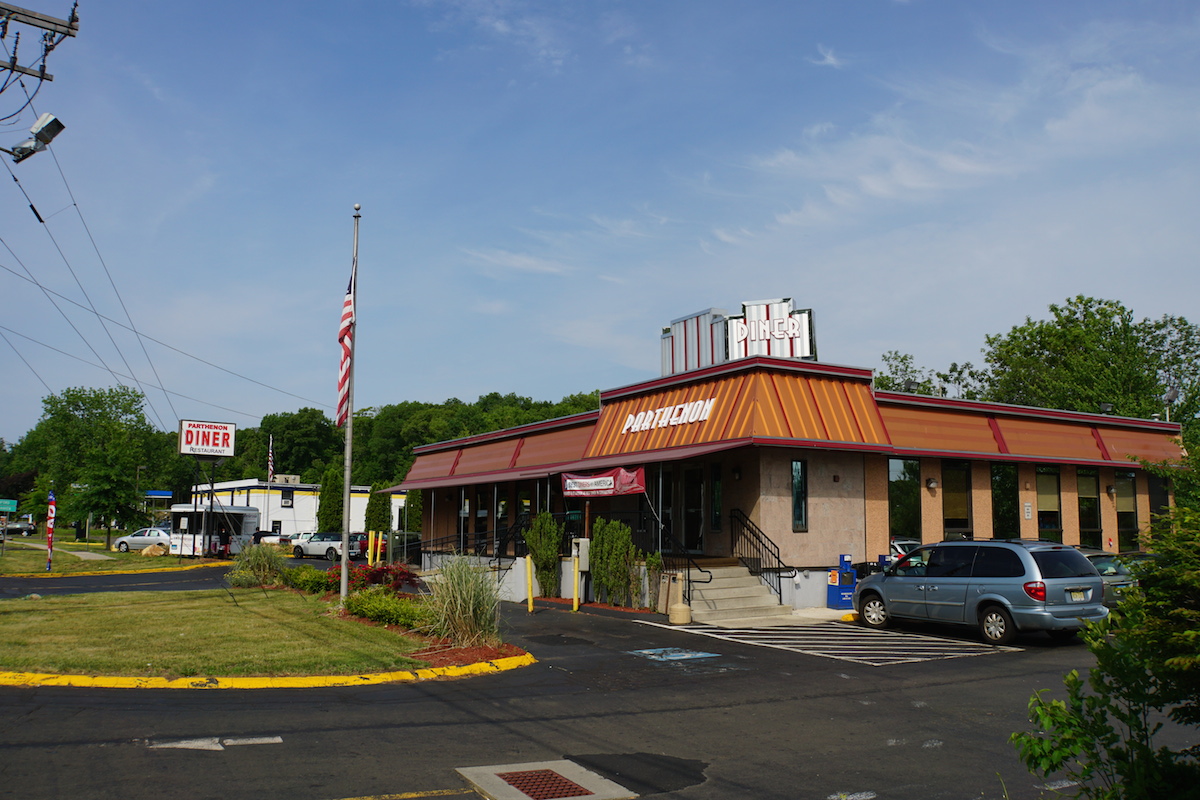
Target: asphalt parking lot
[(819, 712)]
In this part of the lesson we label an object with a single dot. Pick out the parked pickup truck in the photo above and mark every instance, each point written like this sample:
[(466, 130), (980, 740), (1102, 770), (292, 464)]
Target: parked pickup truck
[(323, 545)]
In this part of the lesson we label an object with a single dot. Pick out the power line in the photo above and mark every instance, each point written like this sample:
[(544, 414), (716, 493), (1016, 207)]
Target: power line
[(147, 337), (97, 366)]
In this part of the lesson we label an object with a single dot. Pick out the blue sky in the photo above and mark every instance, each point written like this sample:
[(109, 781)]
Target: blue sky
[(545, 185)]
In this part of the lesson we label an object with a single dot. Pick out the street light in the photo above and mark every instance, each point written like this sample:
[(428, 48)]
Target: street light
[(44, 130)]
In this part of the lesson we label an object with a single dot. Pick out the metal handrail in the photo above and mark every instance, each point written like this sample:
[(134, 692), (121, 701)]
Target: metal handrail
[(758, 553)]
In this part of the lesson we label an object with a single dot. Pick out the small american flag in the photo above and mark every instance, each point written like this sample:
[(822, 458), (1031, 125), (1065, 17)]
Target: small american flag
[(271, 458), (346, 340), (51, 513)]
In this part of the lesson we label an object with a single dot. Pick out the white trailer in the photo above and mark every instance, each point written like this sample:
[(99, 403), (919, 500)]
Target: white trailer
[(211, 530)]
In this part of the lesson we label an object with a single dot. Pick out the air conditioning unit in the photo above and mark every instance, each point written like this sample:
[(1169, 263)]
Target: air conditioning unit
[(286, 502)]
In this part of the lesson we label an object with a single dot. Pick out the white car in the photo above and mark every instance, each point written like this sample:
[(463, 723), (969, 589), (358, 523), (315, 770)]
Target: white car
[(143, 538), (323, 545)]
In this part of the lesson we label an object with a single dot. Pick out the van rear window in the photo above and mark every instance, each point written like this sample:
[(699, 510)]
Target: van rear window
[(1065, 563)]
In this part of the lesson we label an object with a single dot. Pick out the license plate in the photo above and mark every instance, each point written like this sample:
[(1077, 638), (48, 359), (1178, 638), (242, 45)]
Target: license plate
[(1078, 597)]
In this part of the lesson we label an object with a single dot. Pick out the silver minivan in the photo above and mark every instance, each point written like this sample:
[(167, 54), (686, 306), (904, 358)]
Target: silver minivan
[(1002, 586)]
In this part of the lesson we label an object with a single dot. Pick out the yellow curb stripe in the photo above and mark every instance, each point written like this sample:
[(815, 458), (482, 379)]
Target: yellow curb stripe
[(415, 795), (304, 682), (92, 572)]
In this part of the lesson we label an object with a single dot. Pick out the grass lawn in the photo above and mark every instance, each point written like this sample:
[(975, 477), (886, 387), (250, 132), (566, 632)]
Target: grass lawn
[(19, 558), (245, 632)]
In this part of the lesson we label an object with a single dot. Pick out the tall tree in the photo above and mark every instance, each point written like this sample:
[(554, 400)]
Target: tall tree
[(330, 502), (379, 509), (1090, 356)]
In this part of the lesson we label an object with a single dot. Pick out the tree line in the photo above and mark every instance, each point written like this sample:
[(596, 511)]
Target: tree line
[(98, 451)]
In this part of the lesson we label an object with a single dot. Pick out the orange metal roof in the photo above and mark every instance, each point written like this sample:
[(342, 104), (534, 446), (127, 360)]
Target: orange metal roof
[(1053, 440), (772, 402), (758, 404), (935, 429), (1126, 444)]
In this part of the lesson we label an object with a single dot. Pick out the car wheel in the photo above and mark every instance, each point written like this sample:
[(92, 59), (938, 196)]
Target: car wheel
[(873, 612), (996, 625), (298, 551), (123, 547), (1061, 636), (331, 554)]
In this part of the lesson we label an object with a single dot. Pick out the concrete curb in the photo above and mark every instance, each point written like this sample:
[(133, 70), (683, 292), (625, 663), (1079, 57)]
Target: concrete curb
[(34, 679)]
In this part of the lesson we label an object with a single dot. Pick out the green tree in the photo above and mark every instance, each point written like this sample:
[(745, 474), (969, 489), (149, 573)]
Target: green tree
[(414, 508), (379, 509), (1103, 736), (1090, 353), (330, 501)]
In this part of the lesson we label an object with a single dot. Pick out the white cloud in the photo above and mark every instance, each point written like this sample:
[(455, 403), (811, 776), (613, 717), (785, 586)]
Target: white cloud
[(517, 262), (827, 59)]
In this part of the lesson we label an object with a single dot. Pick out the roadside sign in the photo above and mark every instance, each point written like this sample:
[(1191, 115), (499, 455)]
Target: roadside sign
[(8, 506)]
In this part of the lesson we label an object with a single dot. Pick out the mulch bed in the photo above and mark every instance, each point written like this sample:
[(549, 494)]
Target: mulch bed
[(442, 652), (566, 601)]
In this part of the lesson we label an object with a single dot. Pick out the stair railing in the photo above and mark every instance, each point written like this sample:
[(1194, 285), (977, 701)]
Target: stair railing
[(758, 553)]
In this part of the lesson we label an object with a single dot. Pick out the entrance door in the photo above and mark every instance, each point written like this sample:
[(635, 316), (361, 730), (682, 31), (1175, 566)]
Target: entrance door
[(693, 510)]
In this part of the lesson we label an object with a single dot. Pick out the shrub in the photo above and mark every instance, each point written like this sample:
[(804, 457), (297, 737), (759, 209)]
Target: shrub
[(380, 604), (257, 565), (544, 540), (465, 604), (308, 578), (613, 560)]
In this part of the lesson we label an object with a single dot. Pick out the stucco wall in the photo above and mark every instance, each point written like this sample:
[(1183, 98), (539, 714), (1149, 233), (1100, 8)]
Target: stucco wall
[(836, 506)]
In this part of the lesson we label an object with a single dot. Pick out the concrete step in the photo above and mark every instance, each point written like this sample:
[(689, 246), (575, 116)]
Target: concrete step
[(735, 603), (761, 610), (709, 593)]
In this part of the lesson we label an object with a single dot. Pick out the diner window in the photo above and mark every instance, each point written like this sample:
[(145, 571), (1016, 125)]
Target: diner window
[(1006, 520), (1090, 533), (715, 510), (1049, 507), (956, 499), (1127, 521), (799, 496), (904, 498)]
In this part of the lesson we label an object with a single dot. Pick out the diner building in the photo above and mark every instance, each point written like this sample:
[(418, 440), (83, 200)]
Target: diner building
[(746, 436)]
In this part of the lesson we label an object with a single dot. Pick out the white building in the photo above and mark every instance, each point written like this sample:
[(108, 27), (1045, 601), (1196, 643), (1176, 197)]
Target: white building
[(288, 506)]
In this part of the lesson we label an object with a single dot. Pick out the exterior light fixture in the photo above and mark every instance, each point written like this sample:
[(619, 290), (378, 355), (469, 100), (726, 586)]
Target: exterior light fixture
[(44, 130), (931, 483), (1106, 408)]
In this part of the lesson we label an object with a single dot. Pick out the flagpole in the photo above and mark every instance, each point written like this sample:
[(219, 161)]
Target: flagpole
[(349, 459)]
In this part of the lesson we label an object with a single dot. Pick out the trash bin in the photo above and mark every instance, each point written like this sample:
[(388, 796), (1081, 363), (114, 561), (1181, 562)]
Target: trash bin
[(840, 591)]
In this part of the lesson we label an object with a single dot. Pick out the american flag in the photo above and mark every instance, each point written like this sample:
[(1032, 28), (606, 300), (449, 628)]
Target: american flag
[(346, 340), (271, 458), (51, 513)]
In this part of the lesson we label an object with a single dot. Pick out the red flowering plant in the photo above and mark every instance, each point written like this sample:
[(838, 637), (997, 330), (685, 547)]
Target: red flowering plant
[(394, 576)]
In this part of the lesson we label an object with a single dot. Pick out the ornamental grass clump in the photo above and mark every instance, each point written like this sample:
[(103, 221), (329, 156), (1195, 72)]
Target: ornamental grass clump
[(257, 565), (465, 604)]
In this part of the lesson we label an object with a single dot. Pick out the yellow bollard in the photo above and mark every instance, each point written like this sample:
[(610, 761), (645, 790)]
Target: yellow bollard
[(575, 599), (529, 581)]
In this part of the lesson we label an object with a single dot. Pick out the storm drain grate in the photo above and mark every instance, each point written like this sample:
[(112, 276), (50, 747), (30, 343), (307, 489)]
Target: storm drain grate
[(543, 784)]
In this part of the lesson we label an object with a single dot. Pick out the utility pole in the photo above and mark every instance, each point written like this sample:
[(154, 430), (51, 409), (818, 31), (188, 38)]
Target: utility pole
[(55, 31)]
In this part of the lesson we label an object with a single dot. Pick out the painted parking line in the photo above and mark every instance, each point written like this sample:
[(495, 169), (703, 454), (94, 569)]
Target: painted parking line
[(846, 642)]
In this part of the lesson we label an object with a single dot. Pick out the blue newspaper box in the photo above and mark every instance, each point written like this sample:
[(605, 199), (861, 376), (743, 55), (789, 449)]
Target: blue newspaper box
[(840, 591)]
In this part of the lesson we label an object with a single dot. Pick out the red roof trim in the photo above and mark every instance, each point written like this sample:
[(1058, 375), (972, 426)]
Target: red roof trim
[(1004, 409), (738, 365), (1100, 443), (998, 434)]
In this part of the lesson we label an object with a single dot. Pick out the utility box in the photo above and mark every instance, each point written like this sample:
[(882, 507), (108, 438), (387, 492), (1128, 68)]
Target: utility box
[(840, 591), (579, 549)]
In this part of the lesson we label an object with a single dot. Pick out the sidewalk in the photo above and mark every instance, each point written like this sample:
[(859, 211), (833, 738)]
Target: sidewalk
[(82, 555)]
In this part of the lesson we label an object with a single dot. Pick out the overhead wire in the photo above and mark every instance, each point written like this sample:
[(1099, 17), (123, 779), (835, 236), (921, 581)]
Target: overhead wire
[(31, 369), (150, 338), (97, 366), (79, 283)]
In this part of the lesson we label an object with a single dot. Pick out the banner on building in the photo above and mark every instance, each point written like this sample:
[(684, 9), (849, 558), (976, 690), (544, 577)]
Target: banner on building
[(605, 484)]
